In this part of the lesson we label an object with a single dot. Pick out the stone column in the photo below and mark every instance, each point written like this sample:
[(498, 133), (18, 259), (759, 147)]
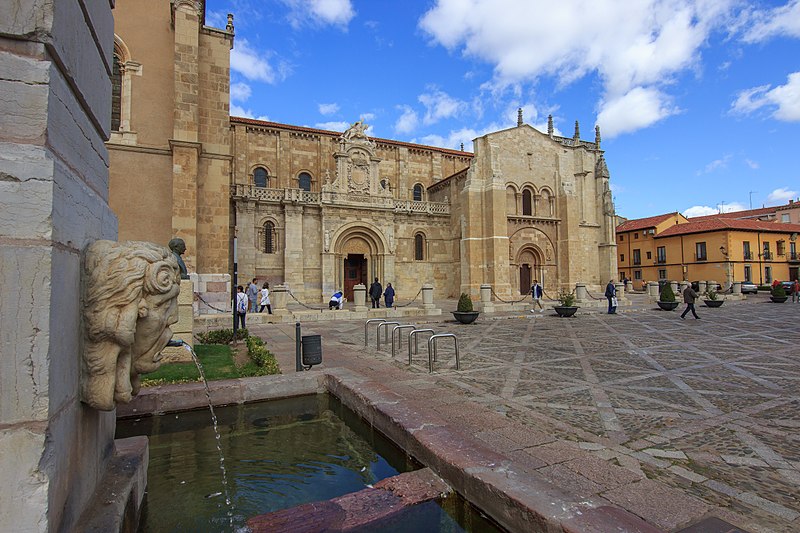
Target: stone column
[(629, 288), (674, 286), (581, 294), (55, 103), (278, 298), (620, 290), (293, 255), (652, 289), (701, 287), (360, 298), (487, 306), (427, 296), (737, 287)]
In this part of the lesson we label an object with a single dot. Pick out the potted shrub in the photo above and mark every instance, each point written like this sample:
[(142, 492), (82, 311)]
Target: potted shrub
[(666, 300), (712, 298), (566, 304), (464, 312), (778, 294)]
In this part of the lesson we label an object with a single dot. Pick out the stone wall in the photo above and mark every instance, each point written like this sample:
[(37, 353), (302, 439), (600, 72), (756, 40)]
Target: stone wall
[(54, 116)]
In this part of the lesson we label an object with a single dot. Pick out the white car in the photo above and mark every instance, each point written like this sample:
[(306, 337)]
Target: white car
[(748, 287)]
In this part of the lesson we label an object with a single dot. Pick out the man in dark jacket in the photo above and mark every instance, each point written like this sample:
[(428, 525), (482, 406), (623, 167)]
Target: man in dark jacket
[(611, 294), (689, 297), (375, 292)]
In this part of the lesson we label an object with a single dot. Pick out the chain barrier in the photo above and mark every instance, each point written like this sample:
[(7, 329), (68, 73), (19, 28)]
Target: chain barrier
[(304, 305), (592, 296), (197, 296), (412, 301), (544, 293), (524, 297)]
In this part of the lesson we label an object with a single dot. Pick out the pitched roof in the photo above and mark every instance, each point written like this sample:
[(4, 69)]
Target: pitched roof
[(747, 213), (644, 223), (315, 131), (728, 224)]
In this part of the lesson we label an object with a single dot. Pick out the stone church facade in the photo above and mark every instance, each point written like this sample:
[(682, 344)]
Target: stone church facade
[(321, 210)]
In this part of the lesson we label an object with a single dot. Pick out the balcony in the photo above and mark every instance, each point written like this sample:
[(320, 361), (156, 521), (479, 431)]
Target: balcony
[(793, 256), (661, 261), (767, 256), (748, 255)]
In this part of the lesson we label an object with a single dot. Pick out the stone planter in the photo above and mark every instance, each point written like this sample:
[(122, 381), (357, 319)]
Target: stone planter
[(668, 306), (564, 311), (714, 303), (778, 299), (467, 317)]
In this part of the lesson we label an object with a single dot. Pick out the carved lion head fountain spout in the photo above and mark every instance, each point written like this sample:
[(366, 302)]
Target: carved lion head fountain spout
[(130, 301)]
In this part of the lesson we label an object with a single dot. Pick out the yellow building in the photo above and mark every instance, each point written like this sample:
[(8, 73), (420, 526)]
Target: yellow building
[(639, 258)]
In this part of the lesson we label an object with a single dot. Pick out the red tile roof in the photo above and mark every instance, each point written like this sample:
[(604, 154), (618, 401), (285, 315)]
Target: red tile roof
[(316, 131), (644, 223), (728, 224), (747, 213)]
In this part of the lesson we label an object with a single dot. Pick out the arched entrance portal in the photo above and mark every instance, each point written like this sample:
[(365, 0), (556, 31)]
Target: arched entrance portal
[(359, 255), (530, 268)]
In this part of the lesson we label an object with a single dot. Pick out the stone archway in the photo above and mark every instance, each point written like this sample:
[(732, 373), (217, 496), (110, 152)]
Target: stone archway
[(529, 266), (359, 253)]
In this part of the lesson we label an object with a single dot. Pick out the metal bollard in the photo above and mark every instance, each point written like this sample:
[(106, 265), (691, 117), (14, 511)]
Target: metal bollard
[(367, 323), (416, 341), (385, 334), (432, 354), (399, 338)]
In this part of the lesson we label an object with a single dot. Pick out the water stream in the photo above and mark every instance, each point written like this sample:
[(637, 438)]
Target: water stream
[(228, 501)]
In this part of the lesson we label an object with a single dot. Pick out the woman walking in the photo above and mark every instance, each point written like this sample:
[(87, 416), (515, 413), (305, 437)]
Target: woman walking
[(265, 298), (388, 294)]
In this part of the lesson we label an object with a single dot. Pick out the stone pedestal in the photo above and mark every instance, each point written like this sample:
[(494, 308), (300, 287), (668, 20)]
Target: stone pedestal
[(737, 287), (581, 295), (674, 286), (278, 298), (652, 289), (184, 328), (620, 290), (360, 298), (701, 287), (487, 306), (427, 296), (629, 286)]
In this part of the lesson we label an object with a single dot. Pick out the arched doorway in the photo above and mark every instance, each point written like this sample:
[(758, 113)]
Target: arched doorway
[(530, 268), (359, 258)]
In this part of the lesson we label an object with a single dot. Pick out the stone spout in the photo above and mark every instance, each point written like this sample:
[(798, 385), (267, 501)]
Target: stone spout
[(130, 300)]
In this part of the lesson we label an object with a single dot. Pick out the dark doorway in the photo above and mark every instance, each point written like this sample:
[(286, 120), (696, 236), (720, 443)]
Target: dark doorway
[(793, 273), (355, 272), (525, 279)]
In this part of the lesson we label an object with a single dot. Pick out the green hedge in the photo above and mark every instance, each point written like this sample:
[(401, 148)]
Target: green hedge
[(265, 362), (221, 336)]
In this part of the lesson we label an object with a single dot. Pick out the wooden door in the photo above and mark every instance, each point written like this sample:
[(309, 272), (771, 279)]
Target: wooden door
[(355, 272), (524, 279)]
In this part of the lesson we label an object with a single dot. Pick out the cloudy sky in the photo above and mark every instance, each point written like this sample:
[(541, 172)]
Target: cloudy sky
[(698, 102)]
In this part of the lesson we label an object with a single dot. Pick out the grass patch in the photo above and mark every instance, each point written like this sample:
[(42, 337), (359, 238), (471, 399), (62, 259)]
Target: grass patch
[(217, 363)]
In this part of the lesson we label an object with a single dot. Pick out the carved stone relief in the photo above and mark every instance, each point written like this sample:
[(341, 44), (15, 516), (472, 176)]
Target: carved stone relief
[(130, 301)]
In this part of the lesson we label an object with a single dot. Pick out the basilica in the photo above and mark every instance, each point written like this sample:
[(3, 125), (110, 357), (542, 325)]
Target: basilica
[(323, 210)]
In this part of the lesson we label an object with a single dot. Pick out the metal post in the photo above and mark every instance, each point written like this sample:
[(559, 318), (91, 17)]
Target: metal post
[(367, 323), (297, 339), (416, 341), (233, 286)]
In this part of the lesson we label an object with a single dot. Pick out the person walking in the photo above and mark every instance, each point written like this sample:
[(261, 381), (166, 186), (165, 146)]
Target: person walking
[(611, 295), (796, 291), (388, 295), (536, 294), (252, 295), (375, 291), (241, 307), (265, 298), (689, 297)]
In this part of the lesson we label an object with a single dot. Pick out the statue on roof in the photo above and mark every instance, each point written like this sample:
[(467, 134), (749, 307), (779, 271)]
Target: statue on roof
[(356, 131)]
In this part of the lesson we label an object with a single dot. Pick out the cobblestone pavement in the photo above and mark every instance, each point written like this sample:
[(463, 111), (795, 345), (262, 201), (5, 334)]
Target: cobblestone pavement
[(709, 406)]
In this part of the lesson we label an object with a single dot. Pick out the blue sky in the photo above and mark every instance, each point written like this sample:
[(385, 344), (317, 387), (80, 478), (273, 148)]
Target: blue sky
[(698, 102)]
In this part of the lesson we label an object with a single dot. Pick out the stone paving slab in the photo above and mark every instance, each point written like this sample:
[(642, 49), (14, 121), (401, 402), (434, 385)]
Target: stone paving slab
[(708, 410)]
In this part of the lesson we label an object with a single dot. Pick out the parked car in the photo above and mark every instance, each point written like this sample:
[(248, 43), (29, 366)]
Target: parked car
[(748, 287), (787, 286)]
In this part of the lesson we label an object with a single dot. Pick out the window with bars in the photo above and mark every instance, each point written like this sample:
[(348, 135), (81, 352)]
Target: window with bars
[(304, 181), (260, 177), (419, 247), (417, 194), (116, 95), (269, 238)]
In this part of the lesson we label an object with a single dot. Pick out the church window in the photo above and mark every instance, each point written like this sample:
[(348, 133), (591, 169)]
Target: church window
[(116, 94), (384, 184), (260, 177), (269, 238), (419, 247), (417, 192), (304, 181), (526, 202)]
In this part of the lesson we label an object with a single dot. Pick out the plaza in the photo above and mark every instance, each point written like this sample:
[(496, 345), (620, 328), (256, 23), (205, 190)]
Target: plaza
[(674, 421)]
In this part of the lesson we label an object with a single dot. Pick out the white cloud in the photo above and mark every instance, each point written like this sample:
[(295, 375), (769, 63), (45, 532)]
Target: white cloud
[(703, 210), (366, 117), (781, 196), (240, 91), (333, 126), (320, 12), (784, 99), (635, 48), (780, 21), (238, 111), (637, 109), (328, 109), (752, 164), (438, 105), (408, 121), (249, 63), (716, 164)]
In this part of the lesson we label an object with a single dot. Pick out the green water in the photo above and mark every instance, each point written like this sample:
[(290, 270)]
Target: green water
[(278, 454)]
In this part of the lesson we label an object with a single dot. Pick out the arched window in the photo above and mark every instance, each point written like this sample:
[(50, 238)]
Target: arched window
[(304, 181), (419, 247), (511, 201), (384, 184), (116, 94), (526, 202), (269, 238), (260, 177), (417, 193)]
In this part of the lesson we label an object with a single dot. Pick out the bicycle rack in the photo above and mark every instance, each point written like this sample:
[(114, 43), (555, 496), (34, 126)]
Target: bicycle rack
[(432, 354), (399, 338), (416, 341), (367, 323), (385, 333)]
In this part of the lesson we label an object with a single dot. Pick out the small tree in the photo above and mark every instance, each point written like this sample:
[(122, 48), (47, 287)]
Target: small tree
[(778, 291), (464, 303), (566, 299), (711, 294), (667, 294)]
